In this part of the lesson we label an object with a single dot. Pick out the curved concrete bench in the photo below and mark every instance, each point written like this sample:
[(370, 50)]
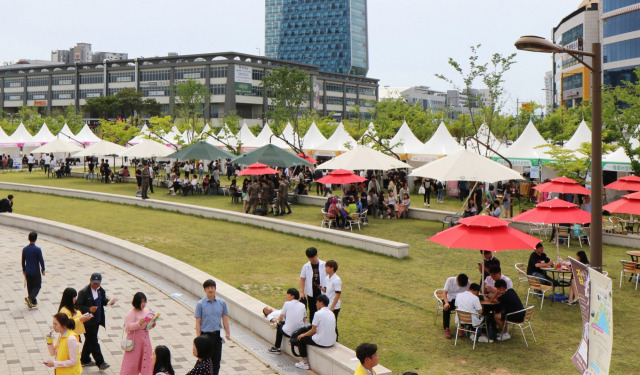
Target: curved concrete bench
[(243, 309), (358, 241)]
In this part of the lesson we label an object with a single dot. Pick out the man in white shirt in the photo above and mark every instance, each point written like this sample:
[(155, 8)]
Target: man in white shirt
[(30, 161), (322, 332), (294, 314), (452, 287), (495, 273), (333, 289), (47, 163), (271, 314), (469, 302), (312, 277)]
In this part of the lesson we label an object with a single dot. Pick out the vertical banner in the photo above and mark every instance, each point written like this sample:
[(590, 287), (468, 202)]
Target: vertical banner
[(243, 77), (581, 278), (600, 323)]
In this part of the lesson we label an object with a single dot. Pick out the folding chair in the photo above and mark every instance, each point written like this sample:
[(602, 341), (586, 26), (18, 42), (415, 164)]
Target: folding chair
[(327, 221), (583, 234), (630, 269), (439, 295), (526, 323), (465, 320), (537, 289), (355, 220), (363, 217), (538, 228), (563, 232)]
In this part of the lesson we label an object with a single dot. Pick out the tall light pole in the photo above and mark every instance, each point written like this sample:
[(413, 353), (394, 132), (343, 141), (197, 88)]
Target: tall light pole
[(538, 44)]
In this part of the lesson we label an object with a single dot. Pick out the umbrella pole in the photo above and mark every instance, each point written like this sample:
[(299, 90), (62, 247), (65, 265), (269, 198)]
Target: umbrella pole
[(558, 242), (482, 275)]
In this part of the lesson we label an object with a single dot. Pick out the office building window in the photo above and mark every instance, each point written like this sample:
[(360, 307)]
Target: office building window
[(572, 82), (336, 87), (572, 35), (90, 93), (155, 75), (217, 89), (609, 5), (335, 100), (122, 77), (352, 89), (13, 96), (90, 78), (257, 74), (37, 81), (190, 73), (14, 82), (64, 94), (370, 91), (624, 23), (155, 91), (64, 80), (627, 49), (37, 95), (615, 77), (115, 91), (219, 71)]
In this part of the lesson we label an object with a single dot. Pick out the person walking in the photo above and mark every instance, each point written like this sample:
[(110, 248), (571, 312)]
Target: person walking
[(66, 349), (145, 181), (68, 307), (92, 299), (32, 268), (139, 360), (210, 311), (30, 162)]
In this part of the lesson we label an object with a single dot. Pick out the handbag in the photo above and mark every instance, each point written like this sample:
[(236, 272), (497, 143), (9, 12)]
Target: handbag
[(125, 344), (421, 190)]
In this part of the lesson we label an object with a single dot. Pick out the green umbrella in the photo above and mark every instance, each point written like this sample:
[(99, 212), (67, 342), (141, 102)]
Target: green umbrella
[(272, 156), (201, 150)]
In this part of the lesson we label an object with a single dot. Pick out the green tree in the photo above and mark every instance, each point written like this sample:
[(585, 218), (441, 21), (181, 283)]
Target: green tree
[(568, 163), (150, 107), (118, 132), (102, 107), (190, 98), (492, 76), (129, 102), (290, 92), (621, 117)]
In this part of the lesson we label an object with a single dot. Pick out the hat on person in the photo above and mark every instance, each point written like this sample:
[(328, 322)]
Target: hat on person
[(96, 278), (329, 196)]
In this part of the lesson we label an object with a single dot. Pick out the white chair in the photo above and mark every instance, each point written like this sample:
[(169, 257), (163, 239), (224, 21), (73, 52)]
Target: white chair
[(327, 221), (355, 220), (521, 269), (439, 295), (363, 217), (465, 324), (526, 323), (538, 228), (630, 269), (582, 234)]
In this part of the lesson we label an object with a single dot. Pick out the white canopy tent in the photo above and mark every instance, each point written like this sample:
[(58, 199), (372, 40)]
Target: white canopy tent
[(524, 151), (582, 135), (290, 135), (404, 142), (22, 138), (102, 148), (58, 145), (205, 131), (364, 158), (265, 138), (313, 138), (148, 149), (87, 136), (43, 135), (66, 134), (173, 137), (4, 138), (618, 160), (440, 144), (340, 141), (245, 136), (371, 132), (485, 136)]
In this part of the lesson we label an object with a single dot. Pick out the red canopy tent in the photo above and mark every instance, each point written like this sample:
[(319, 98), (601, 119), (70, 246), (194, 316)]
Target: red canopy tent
[(340, 176), (257, 169)]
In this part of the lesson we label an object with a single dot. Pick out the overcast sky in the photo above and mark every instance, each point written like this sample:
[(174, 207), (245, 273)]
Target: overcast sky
[(409, 40)]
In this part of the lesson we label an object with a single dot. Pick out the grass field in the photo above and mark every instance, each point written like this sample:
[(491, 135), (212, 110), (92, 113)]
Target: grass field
[(385, 300)]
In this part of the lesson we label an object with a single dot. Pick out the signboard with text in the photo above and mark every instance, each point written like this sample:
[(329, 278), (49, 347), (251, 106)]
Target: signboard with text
[(243, 76)]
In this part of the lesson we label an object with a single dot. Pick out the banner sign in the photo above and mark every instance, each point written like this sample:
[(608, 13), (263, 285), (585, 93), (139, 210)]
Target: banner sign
[(600, 323), (243, 78)]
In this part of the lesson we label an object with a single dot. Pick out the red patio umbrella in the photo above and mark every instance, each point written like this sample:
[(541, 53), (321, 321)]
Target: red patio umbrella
[(484, 232), (563, 185), (340, 176), (629, 204), (257, 169), (307, 158), (555, 211), (628, 183)]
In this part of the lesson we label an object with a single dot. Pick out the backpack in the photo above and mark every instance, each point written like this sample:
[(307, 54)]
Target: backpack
[(293, 341)]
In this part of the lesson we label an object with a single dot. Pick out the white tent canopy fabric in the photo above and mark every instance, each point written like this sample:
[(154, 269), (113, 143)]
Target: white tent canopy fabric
[(43, 135), (582, 135), (441, 143), (313, 138), (364, 158), (4, 138), (21, 137), (405, 142), (340, 141), (245, 136), (205, 131), (265, 138), (466, 165), (102, 148), (618, 160), (66, 134), (524, 151), (86, 136), (371, 132), (148, 149), (57, 146), (290, 135), (485, 136), (227, 136)]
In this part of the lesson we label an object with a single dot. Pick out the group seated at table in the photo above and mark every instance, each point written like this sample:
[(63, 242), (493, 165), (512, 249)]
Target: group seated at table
[(63, 171), (342, 210), (537, 261)]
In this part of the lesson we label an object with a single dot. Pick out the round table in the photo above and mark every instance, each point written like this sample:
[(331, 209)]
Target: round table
[(634, 254), (556, 273)]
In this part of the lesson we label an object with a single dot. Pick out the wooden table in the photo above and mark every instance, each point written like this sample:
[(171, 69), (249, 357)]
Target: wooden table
[(628, 224), (556, 273), (634, 254)]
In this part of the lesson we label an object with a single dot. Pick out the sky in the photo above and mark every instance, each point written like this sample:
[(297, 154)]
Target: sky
[(409, 40)]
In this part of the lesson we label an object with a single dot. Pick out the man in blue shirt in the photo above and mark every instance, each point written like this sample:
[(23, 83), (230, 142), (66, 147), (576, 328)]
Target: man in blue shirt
[(209, 312), (32, 267)]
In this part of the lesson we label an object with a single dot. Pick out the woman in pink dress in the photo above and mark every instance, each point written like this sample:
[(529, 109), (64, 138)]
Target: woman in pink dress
[(139, 360)]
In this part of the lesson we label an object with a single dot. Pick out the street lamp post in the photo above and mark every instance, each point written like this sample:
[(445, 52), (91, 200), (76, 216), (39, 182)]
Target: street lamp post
[(538, 44)]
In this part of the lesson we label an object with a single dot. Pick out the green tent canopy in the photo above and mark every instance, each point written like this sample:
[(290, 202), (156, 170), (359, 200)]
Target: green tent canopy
[(272, 156), (201, 150)]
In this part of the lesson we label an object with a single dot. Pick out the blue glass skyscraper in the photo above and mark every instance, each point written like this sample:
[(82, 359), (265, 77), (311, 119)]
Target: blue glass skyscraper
[(329, 33), (620, 40)]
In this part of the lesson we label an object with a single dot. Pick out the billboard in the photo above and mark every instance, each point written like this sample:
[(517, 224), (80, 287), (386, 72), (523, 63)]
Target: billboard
[(243, 79)]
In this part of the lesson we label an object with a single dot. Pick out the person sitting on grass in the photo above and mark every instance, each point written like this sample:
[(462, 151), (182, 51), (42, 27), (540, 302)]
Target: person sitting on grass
[(468, 301), (509, 303), (292, 317), (322, 332), (368, 357)]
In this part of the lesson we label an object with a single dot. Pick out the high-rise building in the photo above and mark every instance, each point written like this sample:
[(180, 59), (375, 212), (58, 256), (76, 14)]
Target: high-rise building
[(331, 34), (620, 40), (578, 30), (61, 56)]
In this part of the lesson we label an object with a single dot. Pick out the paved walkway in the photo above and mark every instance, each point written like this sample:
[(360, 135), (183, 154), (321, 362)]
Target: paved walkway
[(22, 330)]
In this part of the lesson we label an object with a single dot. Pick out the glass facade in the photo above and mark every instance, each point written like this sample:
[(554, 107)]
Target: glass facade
[(627, 49), (572, 82), (331, 34), (37, 81), (609, 5), (615, 77), (621, 24)]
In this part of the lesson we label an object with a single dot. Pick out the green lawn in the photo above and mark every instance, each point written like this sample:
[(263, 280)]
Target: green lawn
[(388, 301)]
